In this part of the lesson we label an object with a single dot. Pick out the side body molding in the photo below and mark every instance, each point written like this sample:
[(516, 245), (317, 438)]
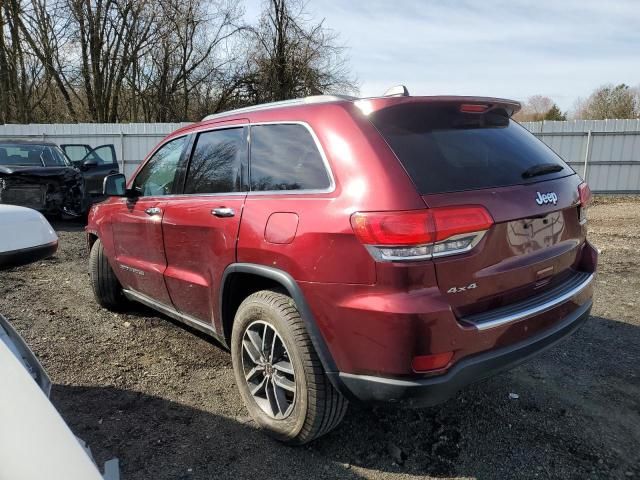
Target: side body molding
[(290, 285)]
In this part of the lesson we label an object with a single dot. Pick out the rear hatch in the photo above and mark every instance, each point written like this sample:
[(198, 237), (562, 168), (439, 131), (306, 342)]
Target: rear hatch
[(461, 153)]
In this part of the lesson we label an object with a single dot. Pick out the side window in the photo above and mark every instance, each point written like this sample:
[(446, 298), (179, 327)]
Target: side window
[(76, 152), (285, 157), (104, 155), (157, 176), (218, 162)]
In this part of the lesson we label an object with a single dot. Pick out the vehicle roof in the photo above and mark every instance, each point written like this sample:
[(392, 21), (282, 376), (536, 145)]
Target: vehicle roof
[(19, 141), (368, 104)]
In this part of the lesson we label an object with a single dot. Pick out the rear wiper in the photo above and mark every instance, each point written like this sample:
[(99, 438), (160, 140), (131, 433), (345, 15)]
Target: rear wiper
[(541, 169)]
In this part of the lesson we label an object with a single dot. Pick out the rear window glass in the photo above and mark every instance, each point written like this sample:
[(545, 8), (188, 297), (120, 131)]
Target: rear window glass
[(285, 157), (444, 150)]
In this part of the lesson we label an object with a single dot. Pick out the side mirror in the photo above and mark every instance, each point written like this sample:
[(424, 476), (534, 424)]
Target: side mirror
[(115, 185), (32, 238), (89, 164)]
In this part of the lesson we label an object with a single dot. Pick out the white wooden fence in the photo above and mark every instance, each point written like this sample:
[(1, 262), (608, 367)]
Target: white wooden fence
[(605, 152)]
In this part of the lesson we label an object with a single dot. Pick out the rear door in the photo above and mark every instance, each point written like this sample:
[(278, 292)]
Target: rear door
[(201, 226), (137, 224), (475, 155)]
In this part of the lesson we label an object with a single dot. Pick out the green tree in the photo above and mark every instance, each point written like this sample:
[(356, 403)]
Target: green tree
[(554, 113)]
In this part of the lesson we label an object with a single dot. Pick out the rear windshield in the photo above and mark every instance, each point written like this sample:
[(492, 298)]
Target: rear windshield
[(444, 150)]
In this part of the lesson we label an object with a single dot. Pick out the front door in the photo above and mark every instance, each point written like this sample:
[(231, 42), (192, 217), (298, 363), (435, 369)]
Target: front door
[(137, 225), (137, 234), (95, 164), (201, 227)]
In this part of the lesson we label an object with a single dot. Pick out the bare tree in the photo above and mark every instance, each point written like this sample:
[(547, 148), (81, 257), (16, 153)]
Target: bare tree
[(535, 109), (43, 32), (293, 57), (188, 54), (158, 60), (112, 36)]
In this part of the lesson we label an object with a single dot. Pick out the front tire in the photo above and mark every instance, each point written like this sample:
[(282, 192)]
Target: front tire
[(106, 287), (279, 375)]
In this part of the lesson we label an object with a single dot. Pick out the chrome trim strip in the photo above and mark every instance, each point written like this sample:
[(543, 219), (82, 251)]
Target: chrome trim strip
[(529, 312), (226, 126), (478, 236), (375, 252), (173, 313)]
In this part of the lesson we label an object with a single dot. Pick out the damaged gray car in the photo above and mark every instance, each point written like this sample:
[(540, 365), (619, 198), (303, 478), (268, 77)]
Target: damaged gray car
[(39, 175)]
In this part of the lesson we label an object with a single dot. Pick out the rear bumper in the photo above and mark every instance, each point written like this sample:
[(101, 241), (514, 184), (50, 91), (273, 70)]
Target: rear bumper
[(435, 390)]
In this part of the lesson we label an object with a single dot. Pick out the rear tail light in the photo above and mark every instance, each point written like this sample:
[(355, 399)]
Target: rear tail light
[(584, 192), (421, 234)]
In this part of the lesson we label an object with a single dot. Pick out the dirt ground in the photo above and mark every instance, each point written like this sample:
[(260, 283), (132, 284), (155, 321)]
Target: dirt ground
[(163, 399)]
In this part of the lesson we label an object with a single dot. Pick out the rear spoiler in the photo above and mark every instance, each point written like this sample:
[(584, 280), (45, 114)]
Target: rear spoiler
[(369, 105)]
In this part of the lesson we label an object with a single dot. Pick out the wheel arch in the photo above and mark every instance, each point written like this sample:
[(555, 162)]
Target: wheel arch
[(261, 278), (91, 239)]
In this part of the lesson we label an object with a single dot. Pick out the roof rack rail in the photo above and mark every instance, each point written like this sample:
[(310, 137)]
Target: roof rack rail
[(283, 103)]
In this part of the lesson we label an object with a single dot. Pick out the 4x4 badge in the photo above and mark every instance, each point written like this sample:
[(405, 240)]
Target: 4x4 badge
[(544, 198), (471, 286)]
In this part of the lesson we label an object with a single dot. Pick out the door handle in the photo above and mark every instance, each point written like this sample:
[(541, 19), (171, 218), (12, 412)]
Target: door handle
[(153, 211), (223, 212)]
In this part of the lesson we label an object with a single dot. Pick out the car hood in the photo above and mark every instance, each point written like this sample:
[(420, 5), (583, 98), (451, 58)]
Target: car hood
[(37, 171)]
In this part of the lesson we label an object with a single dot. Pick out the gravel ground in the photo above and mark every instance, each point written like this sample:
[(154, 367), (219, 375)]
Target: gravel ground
[(162, 398)]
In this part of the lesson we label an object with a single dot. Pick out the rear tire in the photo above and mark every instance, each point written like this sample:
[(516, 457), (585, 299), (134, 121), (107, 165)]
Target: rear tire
[(106, 287), (286, 357)]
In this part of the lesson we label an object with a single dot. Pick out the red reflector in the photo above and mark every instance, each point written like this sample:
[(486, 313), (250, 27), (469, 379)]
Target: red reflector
[(585, 194), (394, 228), (473, 108), (450, 221), (424, 363)]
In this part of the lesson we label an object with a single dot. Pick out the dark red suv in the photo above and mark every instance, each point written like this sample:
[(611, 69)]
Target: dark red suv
[(380, 249)]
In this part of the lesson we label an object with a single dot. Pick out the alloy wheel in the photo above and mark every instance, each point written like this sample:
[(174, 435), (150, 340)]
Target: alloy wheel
[(268, 370)]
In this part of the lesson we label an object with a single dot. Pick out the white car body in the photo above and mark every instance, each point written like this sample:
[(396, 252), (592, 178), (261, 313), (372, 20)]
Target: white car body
[(25, 236), (35, 442)]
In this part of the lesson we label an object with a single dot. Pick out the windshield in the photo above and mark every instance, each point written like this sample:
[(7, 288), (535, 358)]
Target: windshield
[(21, 155), (27, 155), (445, 150)]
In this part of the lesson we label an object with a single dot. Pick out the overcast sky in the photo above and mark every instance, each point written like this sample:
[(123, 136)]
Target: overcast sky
[(559, 48)]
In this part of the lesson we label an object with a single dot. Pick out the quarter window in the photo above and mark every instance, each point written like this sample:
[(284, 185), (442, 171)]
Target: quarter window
[(158, 175), (285, 157), (218, 163)]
